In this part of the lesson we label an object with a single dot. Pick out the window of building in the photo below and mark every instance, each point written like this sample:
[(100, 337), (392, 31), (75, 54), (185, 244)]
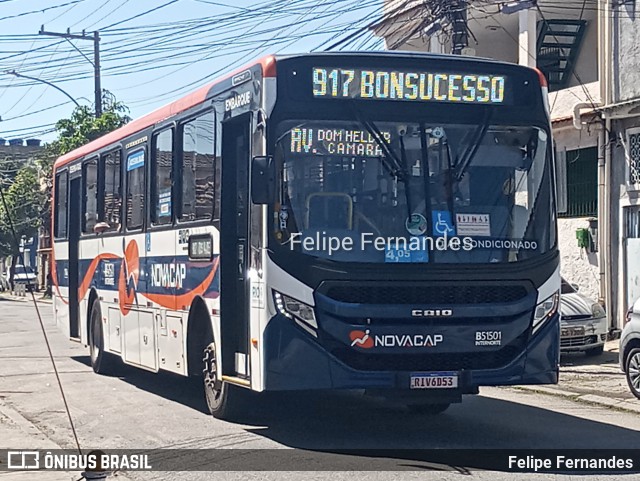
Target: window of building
[(90, 197), (633, 154), (112, 198), (60, 208), (162, 166), (581, 183), (135, 189), (198, 168)]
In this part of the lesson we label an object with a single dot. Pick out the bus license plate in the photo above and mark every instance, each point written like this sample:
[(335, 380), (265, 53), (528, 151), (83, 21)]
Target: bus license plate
[(434, 380)]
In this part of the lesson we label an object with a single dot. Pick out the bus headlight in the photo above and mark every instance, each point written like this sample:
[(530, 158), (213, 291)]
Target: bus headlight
[(545, 310), (294, 309)]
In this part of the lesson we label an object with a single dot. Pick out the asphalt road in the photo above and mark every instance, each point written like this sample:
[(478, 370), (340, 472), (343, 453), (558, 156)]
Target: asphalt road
[(141, 410)]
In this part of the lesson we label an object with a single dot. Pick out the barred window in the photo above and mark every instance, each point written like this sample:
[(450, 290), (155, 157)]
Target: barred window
[(634, 156), (581, 183)]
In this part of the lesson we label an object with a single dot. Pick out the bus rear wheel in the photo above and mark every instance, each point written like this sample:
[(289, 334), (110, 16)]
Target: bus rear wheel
[(224, 400), (102, 362)]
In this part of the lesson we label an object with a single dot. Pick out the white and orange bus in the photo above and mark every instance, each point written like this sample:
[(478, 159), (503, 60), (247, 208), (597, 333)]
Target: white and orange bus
[(377, 221)]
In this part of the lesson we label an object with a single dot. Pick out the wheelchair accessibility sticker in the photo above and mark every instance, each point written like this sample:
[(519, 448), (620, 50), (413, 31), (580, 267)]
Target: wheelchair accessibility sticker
[(442, 223)]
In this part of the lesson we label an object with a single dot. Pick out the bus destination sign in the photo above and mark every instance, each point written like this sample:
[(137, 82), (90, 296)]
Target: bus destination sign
[(334, 141), (413, 86)]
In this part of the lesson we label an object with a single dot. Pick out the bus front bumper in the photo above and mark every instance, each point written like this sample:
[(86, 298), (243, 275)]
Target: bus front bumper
[(295, 361)]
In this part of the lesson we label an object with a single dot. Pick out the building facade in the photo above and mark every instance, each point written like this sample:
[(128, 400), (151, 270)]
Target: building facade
[(590, 53), (622, 121), (15, 153)]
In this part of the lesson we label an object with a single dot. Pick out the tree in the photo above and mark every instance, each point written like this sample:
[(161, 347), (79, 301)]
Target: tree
[(79, 129), (28, 191), (83, 127), (24, 200)]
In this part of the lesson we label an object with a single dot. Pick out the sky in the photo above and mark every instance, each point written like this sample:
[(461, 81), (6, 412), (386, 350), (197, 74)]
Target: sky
[(153, 51)]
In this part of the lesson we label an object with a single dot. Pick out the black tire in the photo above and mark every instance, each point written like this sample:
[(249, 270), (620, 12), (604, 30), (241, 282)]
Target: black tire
[(428, 409), (225, 401), (102, 362), (595, 351), (632, 371)]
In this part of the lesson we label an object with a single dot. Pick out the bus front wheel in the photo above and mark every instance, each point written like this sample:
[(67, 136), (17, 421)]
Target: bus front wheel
[(102, 362), (224, 400)]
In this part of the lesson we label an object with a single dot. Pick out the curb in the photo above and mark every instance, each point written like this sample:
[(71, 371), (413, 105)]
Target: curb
[(614, 403), (11, 297), (31, 430)]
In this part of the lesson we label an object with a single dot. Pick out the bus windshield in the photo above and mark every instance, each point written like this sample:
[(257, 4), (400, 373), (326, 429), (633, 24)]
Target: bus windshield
[(413, 192)]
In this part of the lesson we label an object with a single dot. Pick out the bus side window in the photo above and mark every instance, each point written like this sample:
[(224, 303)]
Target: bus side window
[(60, 208), (161, 188), (90, 197), (198, 170), (112, 193), (135, 189)]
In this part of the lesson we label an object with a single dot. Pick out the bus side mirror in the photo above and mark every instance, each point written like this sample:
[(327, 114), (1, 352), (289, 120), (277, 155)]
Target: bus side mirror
[(262, 179)]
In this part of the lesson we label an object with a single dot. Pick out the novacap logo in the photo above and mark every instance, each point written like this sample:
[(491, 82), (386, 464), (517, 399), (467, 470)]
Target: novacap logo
[(361, 339), (364, 340)]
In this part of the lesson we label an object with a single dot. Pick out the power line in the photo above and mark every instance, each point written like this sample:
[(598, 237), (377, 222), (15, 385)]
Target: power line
[(73, 2), (175, 44), (36, 111), (140, 14)]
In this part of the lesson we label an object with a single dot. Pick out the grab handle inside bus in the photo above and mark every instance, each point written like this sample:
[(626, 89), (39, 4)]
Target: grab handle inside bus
[(262, 179)]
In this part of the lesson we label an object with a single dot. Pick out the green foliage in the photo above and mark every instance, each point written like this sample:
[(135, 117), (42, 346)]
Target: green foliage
[(28, 189), (25, 200), (82, 127)]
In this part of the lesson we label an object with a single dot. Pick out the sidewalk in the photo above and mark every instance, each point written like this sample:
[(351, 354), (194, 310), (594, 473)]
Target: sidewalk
[(595, 380), (7, 295), (16, 432)]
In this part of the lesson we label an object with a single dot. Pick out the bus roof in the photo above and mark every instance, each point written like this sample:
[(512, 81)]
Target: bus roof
[(180, 105), (268, 67)]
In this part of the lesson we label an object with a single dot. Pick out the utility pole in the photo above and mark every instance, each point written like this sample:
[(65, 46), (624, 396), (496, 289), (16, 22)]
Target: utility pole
[(458, 15), (96, 59)]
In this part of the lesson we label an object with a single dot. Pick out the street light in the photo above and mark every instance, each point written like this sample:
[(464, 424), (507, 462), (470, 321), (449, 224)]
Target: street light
[(513, 7), (13, 72)]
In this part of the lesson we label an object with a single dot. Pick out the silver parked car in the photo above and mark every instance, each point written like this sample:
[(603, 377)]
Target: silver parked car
[(584, 322), (630, 349)]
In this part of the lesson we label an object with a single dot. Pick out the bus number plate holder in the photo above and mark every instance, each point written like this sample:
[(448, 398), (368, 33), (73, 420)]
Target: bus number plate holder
[(434, 380)]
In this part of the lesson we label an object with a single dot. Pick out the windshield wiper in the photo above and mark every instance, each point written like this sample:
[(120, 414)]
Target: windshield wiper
[(396, 167), (393, 163), (462, 164)]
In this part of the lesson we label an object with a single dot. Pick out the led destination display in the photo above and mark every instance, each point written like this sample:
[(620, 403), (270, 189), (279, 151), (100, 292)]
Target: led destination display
[(416, 86), (329, 141)]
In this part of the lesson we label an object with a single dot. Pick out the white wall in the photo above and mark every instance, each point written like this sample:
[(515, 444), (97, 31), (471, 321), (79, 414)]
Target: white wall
[(577, 266)]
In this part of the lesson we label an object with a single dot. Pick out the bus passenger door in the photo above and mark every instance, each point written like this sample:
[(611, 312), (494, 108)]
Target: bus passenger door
[(75, 223), (234, 246)]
